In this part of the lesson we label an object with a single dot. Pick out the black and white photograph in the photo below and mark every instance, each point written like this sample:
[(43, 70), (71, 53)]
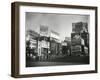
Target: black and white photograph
[(54, 39)]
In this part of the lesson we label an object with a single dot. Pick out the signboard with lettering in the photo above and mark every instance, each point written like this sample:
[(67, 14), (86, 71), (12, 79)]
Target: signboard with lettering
[(44, 30)]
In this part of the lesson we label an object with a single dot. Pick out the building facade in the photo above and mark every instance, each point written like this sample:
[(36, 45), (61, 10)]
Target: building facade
[(31, 43), (79, 39), (55, 43), (43, 43)]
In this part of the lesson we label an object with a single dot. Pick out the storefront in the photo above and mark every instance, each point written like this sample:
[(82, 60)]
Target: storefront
[(43, 47), (32, 44)]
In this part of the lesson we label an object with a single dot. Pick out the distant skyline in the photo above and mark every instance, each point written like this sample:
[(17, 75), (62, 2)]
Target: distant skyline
[(60, 23)]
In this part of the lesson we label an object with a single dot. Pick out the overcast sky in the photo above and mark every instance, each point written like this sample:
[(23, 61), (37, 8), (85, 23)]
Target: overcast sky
[(58, 22)]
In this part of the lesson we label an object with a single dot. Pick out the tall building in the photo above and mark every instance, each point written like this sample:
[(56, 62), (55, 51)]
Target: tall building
[(31, 43), (43, 42), (79, 38), (55, 46)]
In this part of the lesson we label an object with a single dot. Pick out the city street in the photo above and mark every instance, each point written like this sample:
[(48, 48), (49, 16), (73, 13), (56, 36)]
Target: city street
[(68, 60), (35, 64)]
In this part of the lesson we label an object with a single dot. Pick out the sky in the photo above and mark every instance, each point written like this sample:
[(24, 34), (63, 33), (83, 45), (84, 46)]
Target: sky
[(61, 23)]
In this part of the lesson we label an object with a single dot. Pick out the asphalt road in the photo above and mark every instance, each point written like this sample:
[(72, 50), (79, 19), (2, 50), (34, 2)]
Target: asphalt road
[(35, 64), (72, 60)]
